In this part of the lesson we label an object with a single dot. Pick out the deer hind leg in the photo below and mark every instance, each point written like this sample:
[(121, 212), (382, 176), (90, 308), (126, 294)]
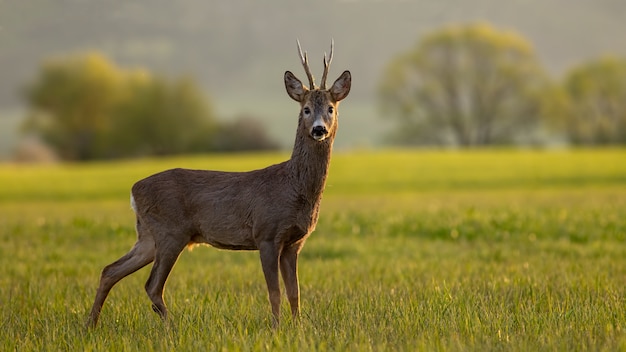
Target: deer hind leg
[(289, 271), (140, 255), (269, 261), (167, 253)]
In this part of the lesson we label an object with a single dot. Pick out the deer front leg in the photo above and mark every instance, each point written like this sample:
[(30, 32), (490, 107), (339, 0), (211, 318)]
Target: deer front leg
[(289, 270), (269, 262)]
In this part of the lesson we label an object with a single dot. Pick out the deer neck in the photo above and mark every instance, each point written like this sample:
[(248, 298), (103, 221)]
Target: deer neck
[(309, 165)]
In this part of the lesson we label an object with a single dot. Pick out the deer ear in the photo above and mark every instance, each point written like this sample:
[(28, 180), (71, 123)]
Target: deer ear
[(294, 87), (341, 87)]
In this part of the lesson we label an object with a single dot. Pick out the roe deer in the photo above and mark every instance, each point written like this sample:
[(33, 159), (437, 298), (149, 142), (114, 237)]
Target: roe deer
[(272, 210)]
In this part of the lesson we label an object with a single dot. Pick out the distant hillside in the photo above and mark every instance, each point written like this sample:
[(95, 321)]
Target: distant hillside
[(238, 50)]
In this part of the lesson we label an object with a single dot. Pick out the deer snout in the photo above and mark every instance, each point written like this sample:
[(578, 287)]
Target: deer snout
[(319, 132)]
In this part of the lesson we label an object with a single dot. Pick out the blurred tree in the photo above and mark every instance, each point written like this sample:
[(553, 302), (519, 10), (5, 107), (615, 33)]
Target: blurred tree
[(595, 108), (87, 108), (160, 117), (72, 100), (467, 85)]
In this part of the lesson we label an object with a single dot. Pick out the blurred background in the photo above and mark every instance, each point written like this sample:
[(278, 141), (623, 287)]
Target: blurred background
[(84, 80)]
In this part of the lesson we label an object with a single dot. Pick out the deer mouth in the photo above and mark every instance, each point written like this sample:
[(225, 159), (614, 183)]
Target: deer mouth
[(319, 133)]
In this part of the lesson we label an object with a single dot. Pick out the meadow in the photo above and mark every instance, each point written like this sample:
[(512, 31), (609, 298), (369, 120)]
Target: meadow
[(511, 250)]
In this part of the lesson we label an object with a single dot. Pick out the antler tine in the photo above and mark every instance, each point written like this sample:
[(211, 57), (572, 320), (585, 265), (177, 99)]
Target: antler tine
[(305, 62), (327, 63)]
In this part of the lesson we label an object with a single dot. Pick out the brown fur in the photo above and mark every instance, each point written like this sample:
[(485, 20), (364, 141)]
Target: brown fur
[(272, 210)]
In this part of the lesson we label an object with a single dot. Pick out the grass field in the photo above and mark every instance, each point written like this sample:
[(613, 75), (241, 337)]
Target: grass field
[(415, 250)]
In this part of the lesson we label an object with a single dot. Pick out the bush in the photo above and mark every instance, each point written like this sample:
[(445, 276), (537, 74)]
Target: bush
[(245, 133)]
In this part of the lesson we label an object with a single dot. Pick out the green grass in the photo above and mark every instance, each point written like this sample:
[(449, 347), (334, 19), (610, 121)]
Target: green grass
[(430, 250)]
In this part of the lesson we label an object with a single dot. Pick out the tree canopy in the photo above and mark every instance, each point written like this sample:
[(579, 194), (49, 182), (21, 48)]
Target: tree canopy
[(72, 102), (85, 107), (594, 112), (162, 117), (466, 85)]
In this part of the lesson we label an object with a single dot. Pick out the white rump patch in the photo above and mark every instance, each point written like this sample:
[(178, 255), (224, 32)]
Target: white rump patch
[(132, 203)]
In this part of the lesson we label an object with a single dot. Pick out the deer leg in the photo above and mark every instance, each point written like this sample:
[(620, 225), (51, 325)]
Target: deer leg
[(269, 262), (139, 256), (289, 270), (166, 257)]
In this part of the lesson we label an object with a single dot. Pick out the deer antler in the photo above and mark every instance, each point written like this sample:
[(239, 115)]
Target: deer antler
[(305, 63), (327, 63)]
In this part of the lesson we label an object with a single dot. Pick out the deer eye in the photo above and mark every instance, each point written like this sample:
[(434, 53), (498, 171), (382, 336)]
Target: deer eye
[(330, 109), (306, 110)]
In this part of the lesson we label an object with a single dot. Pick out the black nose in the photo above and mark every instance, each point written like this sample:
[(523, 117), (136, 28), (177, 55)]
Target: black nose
[(319, 131)]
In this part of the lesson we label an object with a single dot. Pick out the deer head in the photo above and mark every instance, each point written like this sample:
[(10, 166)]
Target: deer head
[(318, 105)]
